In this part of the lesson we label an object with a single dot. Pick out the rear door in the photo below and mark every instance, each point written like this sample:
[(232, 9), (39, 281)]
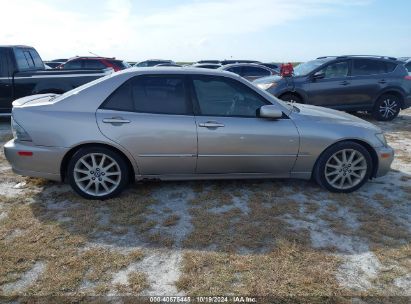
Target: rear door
[(368, 78), (152, 118), (5, 82), (232, 138)]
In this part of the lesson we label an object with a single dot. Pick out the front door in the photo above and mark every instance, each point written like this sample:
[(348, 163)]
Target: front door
[(150, 116), (333, 89), (231, 136)]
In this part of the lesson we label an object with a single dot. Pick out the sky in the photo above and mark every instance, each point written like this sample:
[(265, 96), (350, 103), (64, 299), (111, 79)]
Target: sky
[(191, 30)]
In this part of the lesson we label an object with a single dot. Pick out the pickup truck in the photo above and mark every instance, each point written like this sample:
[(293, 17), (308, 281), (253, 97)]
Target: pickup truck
[(22, 73)]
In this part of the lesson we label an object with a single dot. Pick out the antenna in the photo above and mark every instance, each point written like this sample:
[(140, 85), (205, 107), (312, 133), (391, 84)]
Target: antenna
[(94, 54)]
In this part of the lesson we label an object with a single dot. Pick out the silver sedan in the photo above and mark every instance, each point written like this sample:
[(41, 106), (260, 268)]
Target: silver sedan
[(184, 124)]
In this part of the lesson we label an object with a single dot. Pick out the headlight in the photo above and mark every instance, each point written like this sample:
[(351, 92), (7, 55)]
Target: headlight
[(381, 138), (266, 86), (18, 132)]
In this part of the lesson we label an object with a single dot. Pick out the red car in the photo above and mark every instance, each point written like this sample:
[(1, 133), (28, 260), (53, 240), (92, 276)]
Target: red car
[(94, 63)]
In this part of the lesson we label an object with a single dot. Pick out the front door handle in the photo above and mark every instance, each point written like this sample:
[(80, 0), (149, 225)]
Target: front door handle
[(210, 124), (115, 120), (344, 83)]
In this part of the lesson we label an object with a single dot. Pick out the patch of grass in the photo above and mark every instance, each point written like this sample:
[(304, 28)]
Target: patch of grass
[(289, 270), (66, 263)]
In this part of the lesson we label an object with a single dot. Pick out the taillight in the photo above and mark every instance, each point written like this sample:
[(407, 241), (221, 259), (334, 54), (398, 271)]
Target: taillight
[(407, 77)]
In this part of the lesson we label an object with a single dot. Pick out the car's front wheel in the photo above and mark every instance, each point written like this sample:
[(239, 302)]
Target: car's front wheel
[(387, 107), (343, 167), (97, 173)]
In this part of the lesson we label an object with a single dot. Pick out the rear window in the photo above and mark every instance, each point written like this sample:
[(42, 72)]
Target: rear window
[(362, 67), (255, 71), (94, 64), (121, 64), (408, 67), (236, 70), (28, 59), (72, 65), (150, 94)]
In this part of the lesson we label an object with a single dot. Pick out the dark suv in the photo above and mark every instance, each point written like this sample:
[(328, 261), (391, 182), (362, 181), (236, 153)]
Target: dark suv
[(380, 85)]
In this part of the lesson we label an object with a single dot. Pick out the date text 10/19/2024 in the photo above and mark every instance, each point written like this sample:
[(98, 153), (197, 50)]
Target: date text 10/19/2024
[(223, 299)]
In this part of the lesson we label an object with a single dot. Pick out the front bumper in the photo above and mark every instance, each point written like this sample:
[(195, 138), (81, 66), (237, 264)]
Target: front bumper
[(43, 162), (385, 159)]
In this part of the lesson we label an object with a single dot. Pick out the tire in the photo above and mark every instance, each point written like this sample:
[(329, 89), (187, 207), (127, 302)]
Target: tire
[(101, 180), (387, 107), (292, 98), (328, 173)]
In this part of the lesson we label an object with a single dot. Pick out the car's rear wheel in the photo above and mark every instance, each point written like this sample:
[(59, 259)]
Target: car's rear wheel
[(344, 167), (292, 98), (387, 107), (98, 173)]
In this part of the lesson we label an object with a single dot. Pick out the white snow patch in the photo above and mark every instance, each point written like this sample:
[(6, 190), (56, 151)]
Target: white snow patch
[(358, 270), (162, 268), (237, 202), (7, 189), (404, 283), (28, 278)]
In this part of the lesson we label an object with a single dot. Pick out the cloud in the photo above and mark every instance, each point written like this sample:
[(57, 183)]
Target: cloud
[(117, 28)]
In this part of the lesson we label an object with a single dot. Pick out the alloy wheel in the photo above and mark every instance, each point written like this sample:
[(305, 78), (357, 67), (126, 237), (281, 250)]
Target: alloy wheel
[(345, 169), (388, 108), (97, 174)]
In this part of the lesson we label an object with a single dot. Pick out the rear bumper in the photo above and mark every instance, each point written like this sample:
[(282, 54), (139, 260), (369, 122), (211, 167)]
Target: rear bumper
[(44, 162), (385, 159)]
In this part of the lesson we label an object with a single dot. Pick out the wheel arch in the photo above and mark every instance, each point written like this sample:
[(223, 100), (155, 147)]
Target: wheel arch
[(395, 92), (367, 146), (299, 95), (73, 150)]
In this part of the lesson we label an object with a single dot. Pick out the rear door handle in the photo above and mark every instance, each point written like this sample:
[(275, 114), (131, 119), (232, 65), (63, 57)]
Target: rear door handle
[(115, 120), (211, 124), (344, 83), (382, 81)]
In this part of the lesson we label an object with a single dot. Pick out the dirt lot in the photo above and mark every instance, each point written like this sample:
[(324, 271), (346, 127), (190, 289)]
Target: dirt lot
[(210, 238)]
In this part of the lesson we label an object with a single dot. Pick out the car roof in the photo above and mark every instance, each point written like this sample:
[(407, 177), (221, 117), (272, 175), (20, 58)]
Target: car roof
[(359, 56), (243, 64), (175, 70), (91, 58)]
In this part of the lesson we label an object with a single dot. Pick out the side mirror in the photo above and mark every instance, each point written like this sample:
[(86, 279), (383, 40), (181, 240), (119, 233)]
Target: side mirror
[(270, 111), (319, 75)]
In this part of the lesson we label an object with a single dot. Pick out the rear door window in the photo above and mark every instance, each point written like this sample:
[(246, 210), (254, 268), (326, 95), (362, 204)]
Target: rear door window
[(160, 94), (151, 94), (363, 67)]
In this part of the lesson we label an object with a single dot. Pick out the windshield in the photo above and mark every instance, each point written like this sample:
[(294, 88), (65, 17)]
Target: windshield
[(306, 68)]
